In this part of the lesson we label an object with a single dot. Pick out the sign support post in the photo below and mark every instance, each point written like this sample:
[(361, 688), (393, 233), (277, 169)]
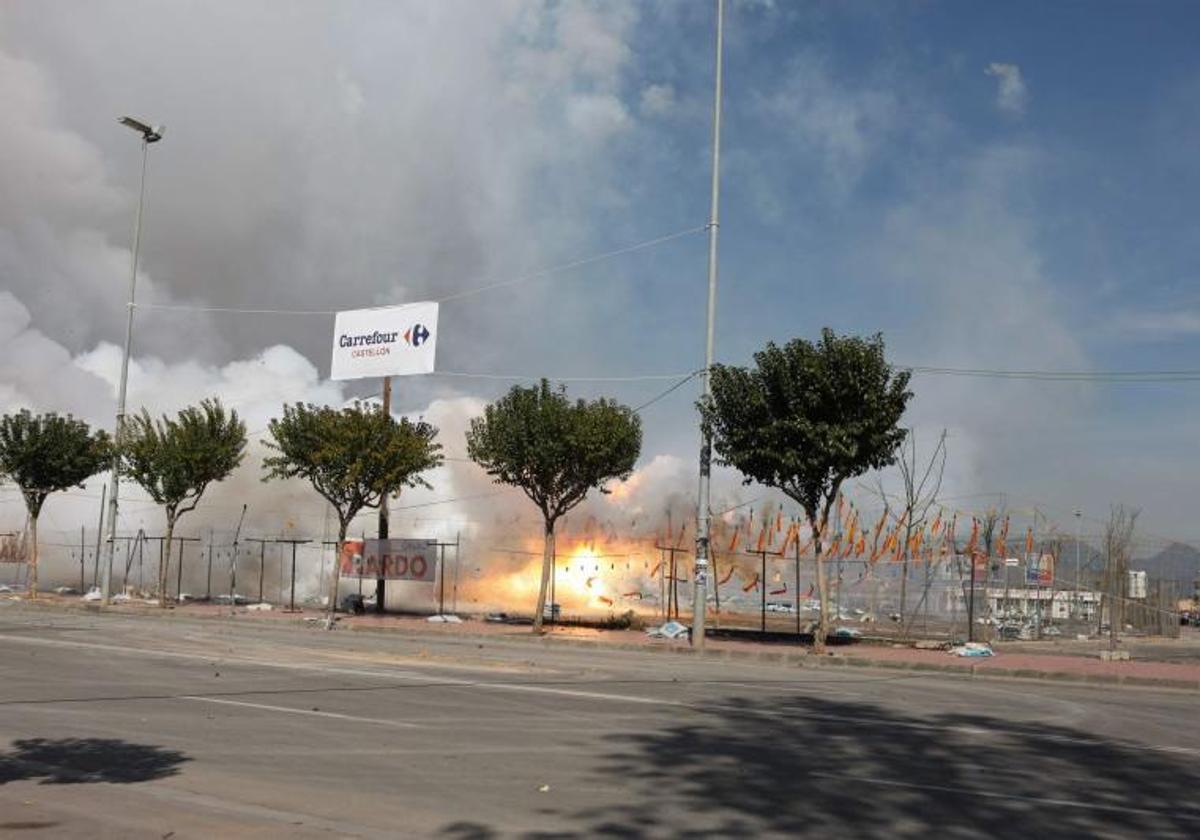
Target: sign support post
[(380, 583)]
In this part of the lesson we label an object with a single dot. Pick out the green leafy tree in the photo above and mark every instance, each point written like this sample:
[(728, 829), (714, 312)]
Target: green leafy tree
[(352, 456), (806, 417), (555, 451), (46, 453), (175, 459)]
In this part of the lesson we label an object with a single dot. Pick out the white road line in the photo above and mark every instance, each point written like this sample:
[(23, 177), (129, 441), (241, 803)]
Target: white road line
[(399, 676), (988, 794), (571, 692), (399, 724)]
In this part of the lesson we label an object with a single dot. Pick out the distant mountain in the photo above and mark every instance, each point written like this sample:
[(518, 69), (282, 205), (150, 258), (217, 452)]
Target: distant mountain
[(1177, 562)]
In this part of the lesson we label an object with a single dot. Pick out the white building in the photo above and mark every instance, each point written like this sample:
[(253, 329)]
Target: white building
[(1052, 604)]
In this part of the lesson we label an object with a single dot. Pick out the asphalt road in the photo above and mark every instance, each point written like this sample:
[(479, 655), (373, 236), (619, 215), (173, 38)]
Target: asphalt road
[(161, 727)]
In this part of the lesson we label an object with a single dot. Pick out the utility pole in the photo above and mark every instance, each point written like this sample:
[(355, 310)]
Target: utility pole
[(380, 583), (704, 513), (149, 135), (82, 552)]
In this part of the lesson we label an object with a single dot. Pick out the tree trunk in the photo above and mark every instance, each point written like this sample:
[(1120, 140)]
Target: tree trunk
[(164, 564), (335, 574), (547, 568), (33, 558), (822, 589)]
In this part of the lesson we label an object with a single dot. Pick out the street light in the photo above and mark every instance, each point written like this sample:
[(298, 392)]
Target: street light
[(150, 134)]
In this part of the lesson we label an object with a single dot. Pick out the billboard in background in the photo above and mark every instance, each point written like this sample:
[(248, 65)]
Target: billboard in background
[(387, 341), (1040, 570), (389, 559)]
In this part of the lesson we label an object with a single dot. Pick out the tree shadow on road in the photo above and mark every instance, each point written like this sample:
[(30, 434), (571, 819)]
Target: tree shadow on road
[(69, 761), (807, 766)]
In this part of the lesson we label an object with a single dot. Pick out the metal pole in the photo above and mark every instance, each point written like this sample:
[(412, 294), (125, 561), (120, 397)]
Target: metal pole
[(179, 574), (82, 552), (233, 562), (442, 578), (99, 534), (380, 584), (208, 584), (122, 388), (1078, 601), (454, 605), (262, 567), (797, 582), (762, 581), (971, 600), (704, 514)]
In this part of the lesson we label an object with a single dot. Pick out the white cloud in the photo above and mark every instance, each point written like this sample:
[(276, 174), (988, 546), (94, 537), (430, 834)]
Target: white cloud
[(844, 126), (657, 100), (597, 118), (1011, 93), (1160, 326)]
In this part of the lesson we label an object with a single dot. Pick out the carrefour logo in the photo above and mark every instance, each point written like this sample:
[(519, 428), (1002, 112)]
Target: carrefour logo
[(416, 335)]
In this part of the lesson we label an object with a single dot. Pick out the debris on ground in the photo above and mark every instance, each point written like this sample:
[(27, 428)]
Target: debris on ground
[(847, 633), (670, 630), (121, 598), (932, 644), (262, 606), (505, 618), (66, 590), (973, 649), (93, 594), (444, 619)]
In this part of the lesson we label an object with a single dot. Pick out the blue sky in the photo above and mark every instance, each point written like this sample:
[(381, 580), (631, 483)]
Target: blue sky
[(989, 185)]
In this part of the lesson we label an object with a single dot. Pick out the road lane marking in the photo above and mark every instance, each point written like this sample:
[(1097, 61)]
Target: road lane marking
[(435, 682), (399, 724)]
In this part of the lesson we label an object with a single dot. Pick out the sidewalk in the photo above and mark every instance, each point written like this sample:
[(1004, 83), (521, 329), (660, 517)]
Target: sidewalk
[(1020, 663)]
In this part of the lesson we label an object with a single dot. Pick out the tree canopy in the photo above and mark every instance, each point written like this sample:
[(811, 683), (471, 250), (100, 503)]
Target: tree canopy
[(555, 450), (809, 415), (46, 453), (351, 456), (175, 459)]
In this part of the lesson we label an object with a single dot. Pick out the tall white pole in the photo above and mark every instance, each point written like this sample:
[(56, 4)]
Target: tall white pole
[(114, 480), (704, 513)]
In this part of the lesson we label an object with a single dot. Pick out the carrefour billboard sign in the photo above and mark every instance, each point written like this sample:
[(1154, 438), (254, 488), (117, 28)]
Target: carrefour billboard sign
[(388, 341)]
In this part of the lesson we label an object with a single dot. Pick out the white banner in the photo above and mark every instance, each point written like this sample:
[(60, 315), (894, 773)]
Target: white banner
[(389, 341), (395, 559)]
